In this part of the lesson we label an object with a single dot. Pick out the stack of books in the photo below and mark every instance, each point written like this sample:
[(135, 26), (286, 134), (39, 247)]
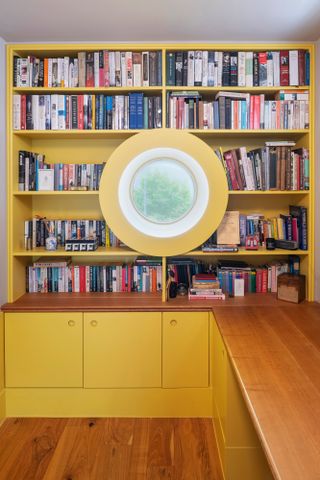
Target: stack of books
[(205, 286)]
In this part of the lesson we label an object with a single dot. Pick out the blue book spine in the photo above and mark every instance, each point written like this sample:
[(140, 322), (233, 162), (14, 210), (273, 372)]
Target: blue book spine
[(109, 112), (140, 110), (307, 79), (97, 111), (132, 111), (105, 112), (36, 174), (243, 229), (101, 113), (216, 114), (243, 115), (60, 184)]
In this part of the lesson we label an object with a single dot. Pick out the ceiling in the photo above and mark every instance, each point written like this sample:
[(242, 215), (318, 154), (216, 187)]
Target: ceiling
[(159, 21)]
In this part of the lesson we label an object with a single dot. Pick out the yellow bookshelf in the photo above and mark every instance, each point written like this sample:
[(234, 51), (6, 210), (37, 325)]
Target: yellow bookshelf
[(97, 145)]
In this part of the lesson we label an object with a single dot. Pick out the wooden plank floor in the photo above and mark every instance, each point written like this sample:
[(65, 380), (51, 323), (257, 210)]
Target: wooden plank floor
[(108, 449)]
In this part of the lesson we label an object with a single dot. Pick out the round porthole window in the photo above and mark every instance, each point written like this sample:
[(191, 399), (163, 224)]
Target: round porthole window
[(163, 192)]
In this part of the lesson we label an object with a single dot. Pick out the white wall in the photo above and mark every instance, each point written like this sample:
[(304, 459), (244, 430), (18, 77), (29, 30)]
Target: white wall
[(317, 177), (3, 228)]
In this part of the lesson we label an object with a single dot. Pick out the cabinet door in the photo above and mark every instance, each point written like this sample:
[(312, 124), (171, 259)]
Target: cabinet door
[(185, 349), (122, 350), (43, 349)]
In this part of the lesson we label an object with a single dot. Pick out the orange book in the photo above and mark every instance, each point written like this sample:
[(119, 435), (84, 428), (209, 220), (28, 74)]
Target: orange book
[(46, 61)]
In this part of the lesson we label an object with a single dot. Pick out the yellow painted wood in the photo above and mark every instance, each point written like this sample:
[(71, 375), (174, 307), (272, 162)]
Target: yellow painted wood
[(2, 390), (122, 350), (97, 146), (43, 349), (246, 463), (121, 402), (165, 138), (185, 349)]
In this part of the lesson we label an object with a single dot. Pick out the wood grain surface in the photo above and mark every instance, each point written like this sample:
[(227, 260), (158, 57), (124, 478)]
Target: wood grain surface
[(108, 449)]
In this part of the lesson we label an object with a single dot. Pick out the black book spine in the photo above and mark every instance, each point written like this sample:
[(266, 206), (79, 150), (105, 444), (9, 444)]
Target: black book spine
[(185, 68), (159, 67), (15, 71), (233, 69), (179, 68), (191, 113), (228, 113), (74, 112), (226, 69), (255, 69), (29, 122), (170, 64), (22, 171), (152, 69), (41, 73)]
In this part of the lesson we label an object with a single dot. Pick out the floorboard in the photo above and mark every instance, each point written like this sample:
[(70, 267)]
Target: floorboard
[(108, 449)]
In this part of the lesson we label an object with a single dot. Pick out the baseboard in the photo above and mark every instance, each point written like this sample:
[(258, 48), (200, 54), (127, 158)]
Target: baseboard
[(74, 402), (2, 406)]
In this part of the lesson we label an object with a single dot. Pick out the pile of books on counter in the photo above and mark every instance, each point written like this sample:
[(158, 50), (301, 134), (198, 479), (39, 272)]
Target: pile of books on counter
[(205, 286)]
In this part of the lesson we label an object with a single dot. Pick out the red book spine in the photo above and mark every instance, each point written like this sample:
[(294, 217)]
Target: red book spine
[(251, 111), (181, 106), (82, 271), (264, 286), (106, 81), (302, 66), (258, 280), (284, 68), (129, 277), (229, 162), (123, 279), (67, 112), (65, 176), (256, 112), (295, 231), (23, 112), (80, 112)]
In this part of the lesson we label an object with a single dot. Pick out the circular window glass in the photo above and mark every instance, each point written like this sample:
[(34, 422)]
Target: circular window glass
[(163, 190)]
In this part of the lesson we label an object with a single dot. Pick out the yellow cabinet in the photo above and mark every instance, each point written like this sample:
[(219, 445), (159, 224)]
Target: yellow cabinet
[(185, 349), (43, 349), (122, 349), (239, 446)]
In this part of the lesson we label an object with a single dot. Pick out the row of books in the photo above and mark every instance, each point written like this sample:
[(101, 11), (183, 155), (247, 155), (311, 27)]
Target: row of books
[(262, 279), (238, 69), (237, 111), (38, 229), (277, 166), (235, 227), (34, 174), (90, 69), (86, 112), (134, 111), (50, 277)]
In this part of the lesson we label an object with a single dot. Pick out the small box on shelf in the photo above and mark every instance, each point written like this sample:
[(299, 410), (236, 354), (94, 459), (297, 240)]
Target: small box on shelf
[(291, 288)]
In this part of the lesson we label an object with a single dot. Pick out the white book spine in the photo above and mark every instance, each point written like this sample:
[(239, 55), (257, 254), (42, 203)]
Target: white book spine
[(269, 70), (59, 72), (198, 67), (50, 72), (42, 113), (66, 72), (123, 66), (293, 68), (75, 82), (219, 71), (241, 69), (35, 112), (96, 68), (205, 68), (118, 69), (190, 68), (249, 69), (112, 69), (137, 80), (276, 68), (54, 112), (129, 68), (61, 113), (16, 112)]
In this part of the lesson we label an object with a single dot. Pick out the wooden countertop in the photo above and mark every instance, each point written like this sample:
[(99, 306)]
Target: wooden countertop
[(275, 350)]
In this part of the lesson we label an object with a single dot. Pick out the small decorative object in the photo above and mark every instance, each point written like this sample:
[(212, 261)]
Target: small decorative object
[(171, 285), (252, 242), (182, 289), (291, 288), (270, 244), (51, 242), (81, 245), (45, 179)]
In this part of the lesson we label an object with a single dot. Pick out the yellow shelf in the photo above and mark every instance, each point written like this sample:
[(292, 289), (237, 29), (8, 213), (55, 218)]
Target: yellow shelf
[(242, 252), (233, 89), (266, 132), (16, 193), (100, 252), (81, 90), (269, 192)]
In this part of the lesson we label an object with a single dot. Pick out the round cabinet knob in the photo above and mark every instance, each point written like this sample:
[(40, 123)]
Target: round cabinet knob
[(71, 323), (173, 322), (94, 323)]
